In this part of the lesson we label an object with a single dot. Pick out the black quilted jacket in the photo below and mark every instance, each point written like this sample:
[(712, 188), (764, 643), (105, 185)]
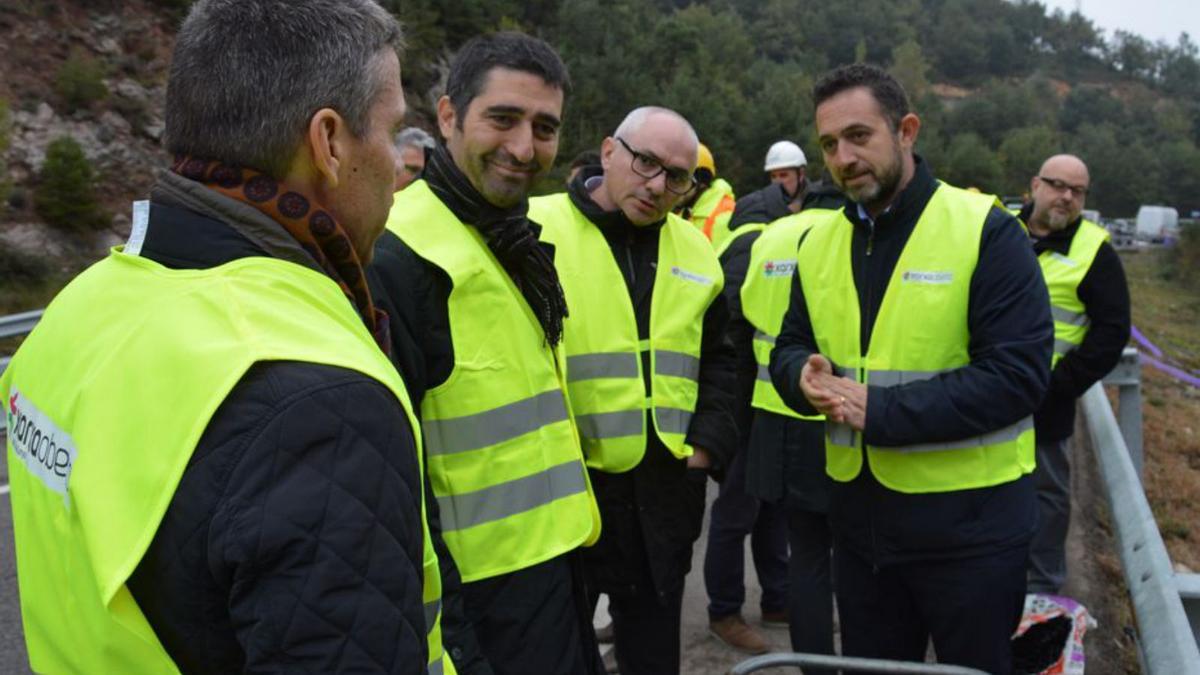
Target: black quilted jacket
[(293, 542)]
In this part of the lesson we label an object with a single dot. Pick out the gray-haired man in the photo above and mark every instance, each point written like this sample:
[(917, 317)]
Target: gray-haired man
[(411, 145), (239, 487)]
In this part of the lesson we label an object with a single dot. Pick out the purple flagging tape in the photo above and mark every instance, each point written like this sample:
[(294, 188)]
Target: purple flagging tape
[(1145, 342), (1177, 373)]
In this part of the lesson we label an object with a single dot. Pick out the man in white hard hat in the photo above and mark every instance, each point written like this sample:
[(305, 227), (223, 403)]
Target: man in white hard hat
[(785, 166)]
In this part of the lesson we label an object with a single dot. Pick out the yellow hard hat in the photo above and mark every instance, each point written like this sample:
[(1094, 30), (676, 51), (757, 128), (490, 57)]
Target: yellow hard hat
[(705, 159)]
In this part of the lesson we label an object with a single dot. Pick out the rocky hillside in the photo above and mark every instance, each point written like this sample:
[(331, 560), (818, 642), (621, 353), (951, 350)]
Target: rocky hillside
[(92, 71)]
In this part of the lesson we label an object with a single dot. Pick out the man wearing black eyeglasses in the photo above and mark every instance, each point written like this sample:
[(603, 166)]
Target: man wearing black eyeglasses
[(1090, 304), (648, 372)]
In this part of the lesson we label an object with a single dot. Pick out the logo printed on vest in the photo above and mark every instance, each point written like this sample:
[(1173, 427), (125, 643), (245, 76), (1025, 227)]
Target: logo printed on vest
[(779, 268), (1063, 259), (48, 452), (915, 277), (690, 276)]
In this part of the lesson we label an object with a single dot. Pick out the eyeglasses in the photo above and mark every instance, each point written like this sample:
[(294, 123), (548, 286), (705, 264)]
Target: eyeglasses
[(679, 181), (1061, 186)]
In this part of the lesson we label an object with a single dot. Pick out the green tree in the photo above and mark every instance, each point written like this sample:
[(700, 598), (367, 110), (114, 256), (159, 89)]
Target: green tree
[(971, 163), (910, 67), (65, 194), (1022, 154), (80, 81)]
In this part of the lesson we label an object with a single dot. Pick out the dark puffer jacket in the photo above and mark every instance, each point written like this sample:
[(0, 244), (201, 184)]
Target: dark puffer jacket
[(294, 541)]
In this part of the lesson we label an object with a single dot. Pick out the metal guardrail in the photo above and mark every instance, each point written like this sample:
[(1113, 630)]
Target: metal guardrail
[(1167, 644), (19, 324), (848, 663)]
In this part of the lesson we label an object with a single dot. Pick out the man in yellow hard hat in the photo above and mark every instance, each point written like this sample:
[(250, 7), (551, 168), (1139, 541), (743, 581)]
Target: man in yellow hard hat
[(710, 205)]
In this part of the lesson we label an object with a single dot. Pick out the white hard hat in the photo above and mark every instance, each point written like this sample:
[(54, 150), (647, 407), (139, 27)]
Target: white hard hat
[(785, 155)]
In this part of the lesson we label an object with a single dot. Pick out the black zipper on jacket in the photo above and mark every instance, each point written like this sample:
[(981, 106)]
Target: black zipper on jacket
[(867, 311)]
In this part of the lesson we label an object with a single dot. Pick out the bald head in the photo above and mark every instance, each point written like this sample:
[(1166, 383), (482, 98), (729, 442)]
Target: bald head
[(650, 144), (1066, 167), (1059, 191), (664, 117)]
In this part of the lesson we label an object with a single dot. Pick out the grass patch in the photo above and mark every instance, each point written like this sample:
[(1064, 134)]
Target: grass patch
[(1166, 308)]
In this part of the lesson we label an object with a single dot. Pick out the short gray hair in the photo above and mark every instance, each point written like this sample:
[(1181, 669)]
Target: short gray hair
[(414, 137), (638, 116), (247, 75)]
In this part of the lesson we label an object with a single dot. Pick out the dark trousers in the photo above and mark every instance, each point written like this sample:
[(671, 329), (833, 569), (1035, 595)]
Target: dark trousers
[(535, 620), (1047, 556), (734, 515), (810, 606), (969, 607), (646, 631)]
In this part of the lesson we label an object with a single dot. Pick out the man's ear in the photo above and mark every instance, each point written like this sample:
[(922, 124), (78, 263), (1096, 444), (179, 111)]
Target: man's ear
[(910, 126), (327, 132), (607, 147), (447, 117)]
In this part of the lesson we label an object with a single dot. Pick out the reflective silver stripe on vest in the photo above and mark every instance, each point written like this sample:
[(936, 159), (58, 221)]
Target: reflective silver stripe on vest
[(1063, 315), (676, 364), (601, 364), (764, 337), (840, 434), (510, 498), (764, 373), (611, 424), (471, 432), (1005, 435), (845, 372), (673, 420), (892, 378), (431, 614), (1062, 346), (436, 668)]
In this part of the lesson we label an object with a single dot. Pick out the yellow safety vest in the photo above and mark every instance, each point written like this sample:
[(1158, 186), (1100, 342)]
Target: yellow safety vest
[(713, 210), (105, 403), (604, 364), (1063, 275), (766, 294), (920, 332), (740, 232), (503, 452)]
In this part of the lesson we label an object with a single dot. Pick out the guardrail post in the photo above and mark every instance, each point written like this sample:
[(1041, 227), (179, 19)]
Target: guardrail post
[(1127, 377)]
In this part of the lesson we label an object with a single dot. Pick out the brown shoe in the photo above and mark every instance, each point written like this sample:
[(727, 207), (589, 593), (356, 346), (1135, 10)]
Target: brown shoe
[(775, 619), (735, 632)]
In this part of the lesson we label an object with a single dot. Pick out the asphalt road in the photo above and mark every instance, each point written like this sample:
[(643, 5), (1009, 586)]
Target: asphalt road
[(12, 640)]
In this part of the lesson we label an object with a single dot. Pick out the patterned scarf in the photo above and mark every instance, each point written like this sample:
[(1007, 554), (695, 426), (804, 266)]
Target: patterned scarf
[(305, 220), (509, 235)]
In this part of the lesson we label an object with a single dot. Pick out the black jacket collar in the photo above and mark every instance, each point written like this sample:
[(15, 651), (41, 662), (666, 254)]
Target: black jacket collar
[(609, 221)]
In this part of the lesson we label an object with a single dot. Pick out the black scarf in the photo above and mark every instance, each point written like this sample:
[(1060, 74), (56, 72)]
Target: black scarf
[(510, 236)]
